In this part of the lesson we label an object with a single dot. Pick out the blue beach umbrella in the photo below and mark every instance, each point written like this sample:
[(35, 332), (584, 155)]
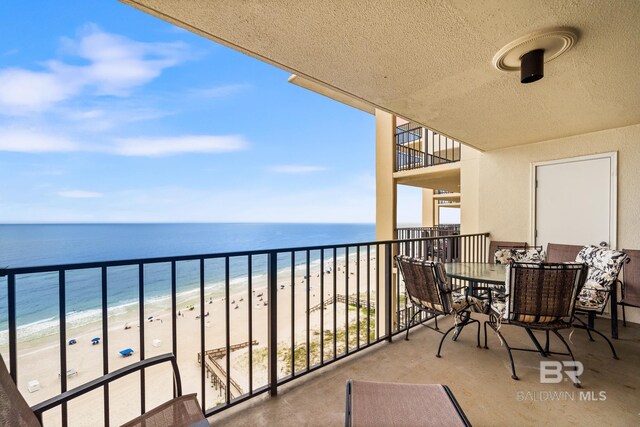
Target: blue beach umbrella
[(95, 340), (126, 352), (72, 341)]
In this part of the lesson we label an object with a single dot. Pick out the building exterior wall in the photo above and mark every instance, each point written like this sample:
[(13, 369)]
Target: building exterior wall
[(496, 187)]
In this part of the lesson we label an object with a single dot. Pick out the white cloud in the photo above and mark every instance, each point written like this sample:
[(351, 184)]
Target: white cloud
[(101, 118), (29, 90), (296, 169), (220, 91), (154, 147), (80, 194), (115, 66), (29, 141)]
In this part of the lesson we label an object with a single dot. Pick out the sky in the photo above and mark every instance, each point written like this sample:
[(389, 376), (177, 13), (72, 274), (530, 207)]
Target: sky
[(110, 115)]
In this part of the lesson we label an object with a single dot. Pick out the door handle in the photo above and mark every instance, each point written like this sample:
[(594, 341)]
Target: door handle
[(603, 244)]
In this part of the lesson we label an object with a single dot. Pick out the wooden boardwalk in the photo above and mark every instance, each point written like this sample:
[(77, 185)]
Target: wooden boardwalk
[(341, 299), (217, 373)]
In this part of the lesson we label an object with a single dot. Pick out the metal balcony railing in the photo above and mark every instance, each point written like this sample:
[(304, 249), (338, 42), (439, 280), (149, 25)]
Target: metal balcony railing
[(404, 233), (418, 147), (340, 299)]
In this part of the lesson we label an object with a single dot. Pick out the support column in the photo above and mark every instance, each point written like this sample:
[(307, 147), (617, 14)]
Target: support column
[(469, 193), (428, 208), (386, 212), (386, 194)]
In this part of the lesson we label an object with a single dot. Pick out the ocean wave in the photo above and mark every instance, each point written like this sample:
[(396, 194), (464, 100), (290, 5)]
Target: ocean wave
[(50, 325)]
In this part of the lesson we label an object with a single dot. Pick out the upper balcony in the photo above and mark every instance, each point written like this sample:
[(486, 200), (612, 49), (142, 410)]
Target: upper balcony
[(425, 158), (418, 147)]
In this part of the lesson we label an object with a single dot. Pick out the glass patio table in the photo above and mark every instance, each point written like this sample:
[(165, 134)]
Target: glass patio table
[(476, 272)]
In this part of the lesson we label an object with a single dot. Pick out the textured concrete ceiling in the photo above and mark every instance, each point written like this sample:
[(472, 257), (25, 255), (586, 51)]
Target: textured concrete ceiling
[(430, 61)]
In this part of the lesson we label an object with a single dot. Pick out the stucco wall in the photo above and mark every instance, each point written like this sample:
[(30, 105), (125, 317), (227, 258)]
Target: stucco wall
[(504, 202), (502, 192)]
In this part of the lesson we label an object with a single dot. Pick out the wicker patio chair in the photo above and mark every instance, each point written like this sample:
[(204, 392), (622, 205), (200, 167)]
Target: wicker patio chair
[(562, 253), (495, 244), (372, 404), (537, 297), (630, 283), (181, 411), (604, 267), (429, 292)]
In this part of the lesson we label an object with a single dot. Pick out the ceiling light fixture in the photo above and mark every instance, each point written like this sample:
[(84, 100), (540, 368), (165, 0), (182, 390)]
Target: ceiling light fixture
[(529, 53), (532, 66)]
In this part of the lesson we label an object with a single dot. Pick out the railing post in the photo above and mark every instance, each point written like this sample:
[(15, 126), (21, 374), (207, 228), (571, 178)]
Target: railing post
[(272, 291), (62, 312), (388, 289), (13, 350)]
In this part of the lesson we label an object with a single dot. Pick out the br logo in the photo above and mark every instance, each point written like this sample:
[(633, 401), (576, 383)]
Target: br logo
[(551, 372)]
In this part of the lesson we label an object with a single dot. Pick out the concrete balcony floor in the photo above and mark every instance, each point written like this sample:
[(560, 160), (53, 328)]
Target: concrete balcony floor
[(479, 378)]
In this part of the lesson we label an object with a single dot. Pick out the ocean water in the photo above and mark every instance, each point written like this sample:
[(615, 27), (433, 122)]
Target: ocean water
[(37, 299)]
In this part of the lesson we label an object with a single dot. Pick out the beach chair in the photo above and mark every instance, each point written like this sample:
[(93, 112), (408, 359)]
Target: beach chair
[(180, 411), (391, 404), (33, 386)]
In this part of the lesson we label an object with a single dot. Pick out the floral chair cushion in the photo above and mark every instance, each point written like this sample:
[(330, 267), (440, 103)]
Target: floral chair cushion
[(463, 302), (509, 255), (447, 300), (459, 302), (604, 267)]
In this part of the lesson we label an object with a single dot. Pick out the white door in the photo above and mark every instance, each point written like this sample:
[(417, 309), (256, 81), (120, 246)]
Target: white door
[(575, 201)]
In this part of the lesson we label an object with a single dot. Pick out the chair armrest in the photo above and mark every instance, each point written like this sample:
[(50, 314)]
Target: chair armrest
[(618, 281), (106, 379)]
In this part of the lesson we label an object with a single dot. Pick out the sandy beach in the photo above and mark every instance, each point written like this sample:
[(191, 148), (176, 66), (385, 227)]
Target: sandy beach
[(40, 360)]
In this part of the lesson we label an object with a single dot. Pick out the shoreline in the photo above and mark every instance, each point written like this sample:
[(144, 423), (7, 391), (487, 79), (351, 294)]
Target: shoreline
[(45, 329), (40, 359)]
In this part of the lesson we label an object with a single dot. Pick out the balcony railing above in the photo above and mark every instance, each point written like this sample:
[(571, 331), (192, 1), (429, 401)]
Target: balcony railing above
[(418, 147), (442, 230)]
